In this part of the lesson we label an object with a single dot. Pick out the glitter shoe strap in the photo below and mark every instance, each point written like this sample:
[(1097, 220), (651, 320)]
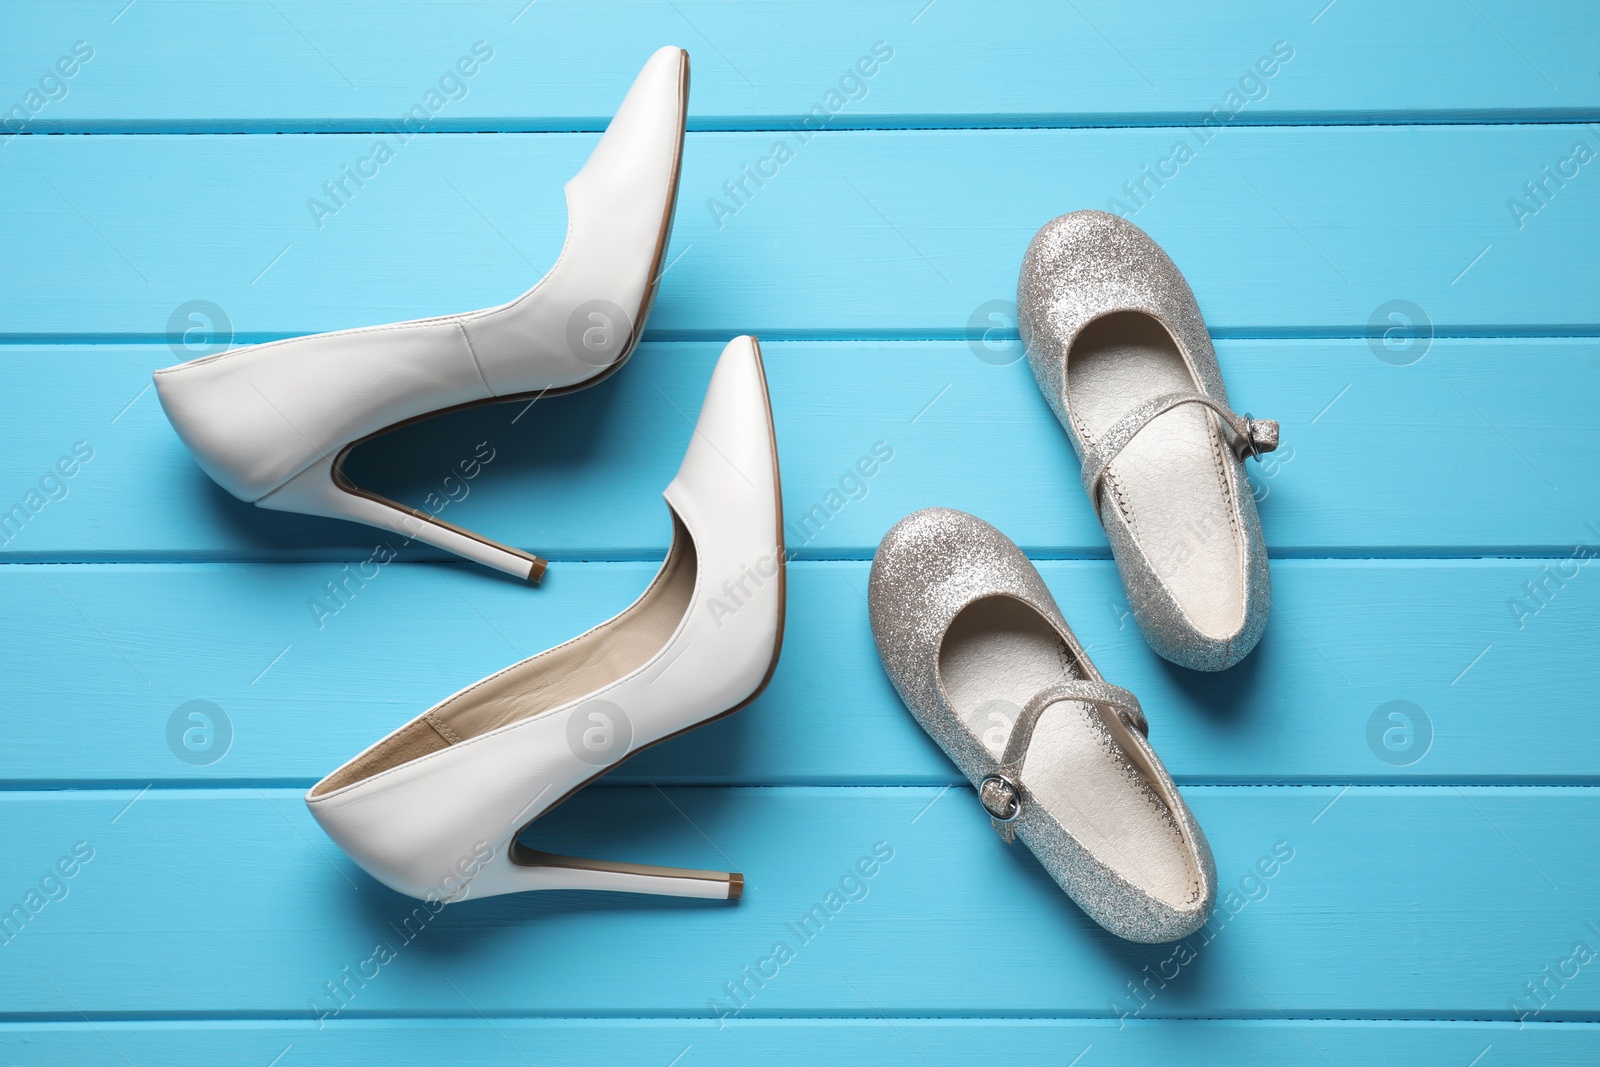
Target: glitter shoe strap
[(1249, 437), (1000, 791)]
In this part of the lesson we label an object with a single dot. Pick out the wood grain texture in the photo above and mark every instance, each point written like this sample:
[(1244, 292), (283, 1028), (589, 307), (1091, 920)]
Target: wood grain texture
[(1281, 231), (116, 651), (173, 66), (1399, 784), (1381, 902), (512, 1042), (1483, 447)]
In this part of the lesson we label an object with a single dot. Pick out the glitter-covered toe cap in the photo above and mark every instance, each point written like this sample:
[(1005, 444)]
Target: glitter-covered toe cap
[(929, 569), (1081, 271)]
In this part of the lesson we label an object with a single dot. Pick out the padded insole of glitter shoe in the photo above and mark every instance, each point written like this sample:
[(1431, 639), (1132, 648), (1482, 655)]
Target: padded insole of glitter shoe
[(996, 655), (1168, 481)]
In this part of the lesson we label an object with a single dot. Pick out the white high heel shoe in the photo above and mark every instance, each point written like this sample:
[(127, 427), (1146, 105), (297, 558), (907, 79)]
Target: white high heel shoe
[(434, 809), (272, 423)]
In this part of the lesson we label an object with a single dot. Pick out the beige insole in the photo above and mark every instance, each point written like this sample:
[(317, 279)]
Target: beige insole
[(612, 650), (1168, 481), (996, 656)]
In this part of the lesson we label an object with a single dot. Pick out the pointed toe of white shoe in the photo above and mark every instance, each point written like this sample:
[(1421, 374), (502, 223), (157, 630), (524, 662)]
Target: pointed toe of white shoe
[(581, 322), (272, 423), (643, 128), (434, 809)]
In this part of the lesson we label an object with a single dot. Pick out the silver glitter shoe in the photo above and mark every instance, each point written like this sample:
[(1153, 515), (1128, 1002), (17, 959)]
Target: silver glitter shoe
[(979, 652), (1118, 346)]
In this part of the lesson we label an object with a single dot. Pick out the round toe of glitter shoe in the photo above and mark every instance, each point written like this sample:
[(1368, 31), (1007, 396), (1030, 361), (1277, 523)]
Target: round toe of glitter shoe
[(1117, 345), (979, 652)]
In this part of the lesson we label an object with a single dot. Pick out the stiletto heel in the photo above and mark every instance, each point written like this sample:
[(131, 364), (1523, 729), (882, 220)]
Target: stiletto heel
[(263, 421), (323, 489), (531, 869), (434, 809)]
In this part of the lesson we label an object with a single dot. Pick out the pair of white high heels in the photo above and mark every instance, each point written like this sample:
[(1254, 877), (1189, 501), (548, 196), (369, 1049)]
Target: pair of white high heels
[(434, 810)]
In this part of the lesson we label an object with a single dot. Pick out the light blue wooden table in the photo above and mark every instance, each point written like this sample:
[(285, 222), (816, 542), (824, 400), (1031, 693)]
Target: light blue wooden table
[(1389, 214)]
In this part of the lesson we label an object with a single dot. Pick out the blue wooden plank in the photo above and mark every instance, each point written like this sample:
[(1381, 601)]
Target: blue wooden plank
[(319, 65), (1282, 231), (1369, 671), (511, 1042), (1364, 902), (208, 920), (1371, 465)]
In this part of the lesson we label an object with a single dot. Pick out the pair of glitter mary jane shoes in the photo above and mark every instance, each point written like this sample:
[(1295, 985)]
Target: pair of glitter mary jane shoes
[(435, 809), (978, 649)]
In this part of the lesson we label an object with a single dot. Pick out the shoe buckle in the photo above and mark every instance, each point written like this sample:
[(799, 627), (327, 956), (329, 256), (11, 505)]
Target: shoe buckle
[(1260, 436), (1000, 797)]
